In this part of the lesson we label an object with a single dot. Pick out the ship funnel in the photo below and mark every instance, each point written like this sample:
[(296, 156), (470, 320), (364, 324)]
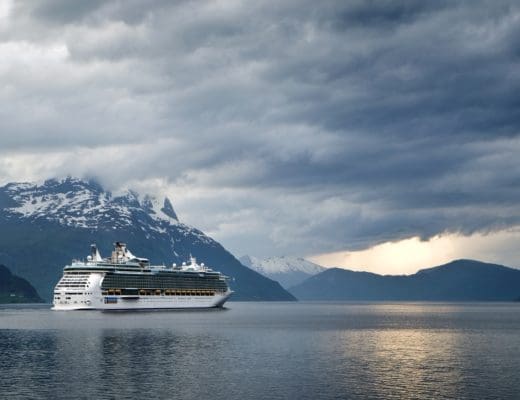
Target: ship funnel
[(94, 253)]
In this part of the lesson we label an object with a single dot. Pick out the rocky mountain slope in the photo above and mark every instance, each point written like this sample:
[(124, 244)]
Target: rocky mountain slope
[(14, 289), (47, 225), (460, 280), (289, 271)]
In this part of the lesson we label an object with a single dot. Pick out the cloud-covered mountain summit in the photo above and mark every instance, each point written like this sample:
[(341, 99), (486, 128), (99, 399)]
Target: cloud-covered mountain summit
[(47, 225), (84, 204)]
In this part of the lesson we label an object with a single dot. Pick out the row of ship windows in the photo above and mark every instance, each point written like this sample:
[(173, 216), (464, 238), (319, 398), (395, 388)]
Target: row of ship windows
[(167, 292), (162, 285), (162, 278), (78, 274), (75, 302), (75, 277), (69, 294), (70, 286), (73, 282)]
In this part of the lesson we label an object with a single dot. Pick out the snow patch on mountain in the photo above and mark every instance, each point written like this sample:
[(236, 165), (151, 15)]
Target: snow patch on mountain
[(160, 211), (85, 204), (288, 271), (280, 265), (71, 208)]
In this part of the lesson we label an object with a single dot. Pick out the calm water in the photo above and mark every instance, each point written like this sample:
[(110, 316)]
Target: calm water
[(265, 351)]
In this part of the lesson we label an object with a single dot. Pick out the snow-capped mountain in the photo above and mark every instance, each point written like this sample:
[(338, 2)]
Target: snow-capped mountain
[(76, 203), (81, 204), (46, 225), (288, 271)]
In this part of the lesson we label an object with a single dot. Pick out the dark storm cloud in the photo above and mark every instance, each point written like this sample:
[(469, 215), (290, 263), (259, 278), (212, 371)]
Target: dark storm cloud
[(325, 126), (63, 11)]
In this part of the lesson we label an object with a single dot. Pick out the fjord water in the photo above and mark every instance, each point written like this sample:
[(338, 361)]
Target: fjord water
[(265, 351)]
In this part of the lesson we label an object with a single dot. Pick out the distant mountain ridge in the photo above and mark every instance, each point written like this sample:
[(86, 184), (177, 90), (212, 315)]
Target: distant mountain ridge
[(459, 280), (289, 271), (14, 289), (46, 225)]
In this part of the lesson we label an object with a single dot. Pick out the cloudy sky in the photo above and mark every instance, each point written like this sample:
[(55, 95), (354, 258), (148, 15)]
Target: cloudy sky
[(308, 128)]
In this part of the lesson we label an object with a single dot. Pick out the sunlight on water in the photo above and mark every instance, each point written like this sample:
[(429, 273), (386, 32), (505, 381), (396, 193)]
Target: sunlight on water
[(265, 350)]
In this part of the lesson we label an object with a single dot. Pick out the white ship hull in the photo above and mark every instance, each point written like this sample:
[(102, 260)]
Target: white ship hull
[(80, 302)]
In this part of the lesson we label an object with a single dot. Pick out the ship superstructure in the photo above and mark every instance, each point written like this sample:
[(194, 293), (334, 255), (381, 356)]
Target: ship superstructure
[(126, 282)]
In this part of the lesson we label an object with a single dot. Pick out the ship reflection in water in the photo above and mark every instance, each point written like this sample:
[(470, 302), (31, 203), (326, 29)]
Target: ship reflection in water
[(264, 350)]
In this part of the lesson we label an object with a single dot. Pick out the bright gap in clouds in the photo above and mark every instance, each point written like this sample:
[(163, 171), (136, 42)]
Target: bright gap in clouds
[(5, 8), (409, 255)]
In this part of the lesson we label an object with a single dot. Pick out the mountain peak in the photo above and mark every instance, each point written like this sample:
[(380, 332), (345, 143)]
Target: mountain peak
[(459, 264), (165, 212), (83, 204), (287, 270), (285, 264), (168, 209)]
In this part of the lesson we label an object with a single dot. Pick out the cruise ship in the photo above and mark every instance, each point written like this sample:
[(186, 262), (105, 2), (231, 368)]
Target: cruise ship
[(126, 282)]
